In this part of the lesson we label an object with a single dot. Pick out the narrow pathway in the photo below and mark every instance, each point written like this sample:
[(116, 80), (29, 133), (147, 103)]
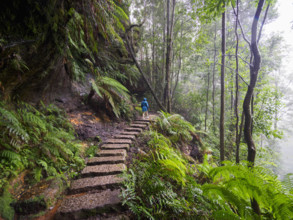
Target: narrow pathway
[(95, 195)]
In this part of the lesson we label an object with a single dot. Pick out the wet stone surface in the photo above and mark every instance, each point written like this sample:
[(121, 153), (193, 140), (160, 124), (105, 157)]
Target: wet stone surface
[(138, 125), (123, 136), (133, 129), (115, 146), (118, 141), (135, 133), (88, 201), (106, 160), (101, 182), (109, 153), (103, 170)]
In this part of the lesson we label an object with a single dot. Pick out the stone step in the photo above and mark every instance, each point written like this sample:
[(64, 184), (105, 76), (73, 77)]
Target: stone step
[(103, 170), (135, 133), (133, 129), (123, 136), (144, 120), (138, 125), (141, 122), (82, 206), (100, 182), (106, 160), (115, 146), (118, 141), (110, 153)]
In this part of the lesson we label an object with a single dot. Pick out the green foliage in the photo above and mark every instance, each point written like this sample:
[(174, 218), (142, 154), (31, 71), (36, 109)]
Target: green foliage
[(170, 162), (161, 185), (6, 210), (41, 140), (174, 127), (235, 185), (91, 151), (112, 91)]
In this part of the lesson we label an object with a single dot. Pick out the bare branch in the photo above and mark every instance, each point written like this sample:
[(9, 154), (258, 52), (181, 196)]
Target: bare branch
[(240, 58), (263, 22), (241, 28), (233, 71)]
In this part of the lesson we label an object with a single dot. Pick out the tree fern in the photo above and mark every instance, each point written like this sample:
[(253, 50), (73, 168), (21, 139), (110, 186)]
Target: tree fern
[(112, 91)]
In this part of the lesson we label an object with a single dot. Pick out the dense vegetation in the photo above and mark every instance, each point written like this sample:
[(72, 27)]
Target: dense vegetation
[(207, 61), (162, 184)]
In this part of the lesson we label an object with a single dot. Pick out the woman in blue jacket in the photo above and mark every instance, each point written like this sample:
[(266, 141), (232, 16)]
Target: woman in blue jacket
[(145, 108)]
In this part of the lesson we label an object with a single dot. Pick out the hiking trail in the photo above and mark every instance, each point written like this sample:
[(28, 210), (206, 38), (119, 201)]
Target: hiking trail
[(95, 194)]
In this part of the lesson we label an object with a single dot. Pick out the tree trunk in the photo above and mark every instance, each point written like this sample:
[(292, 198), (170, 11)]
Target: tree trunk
[(254, 69), (179, 63), (141, 72), (222, 113), (237, 86), (153, 48), (207, 102), (170, 23), (214, 72)]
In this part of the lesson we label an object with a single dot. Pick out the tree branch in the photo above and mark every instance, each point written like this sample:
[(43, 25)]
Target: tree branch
[(138, 66), (241, 28), (263, 22), (234, 70), (240, 58)]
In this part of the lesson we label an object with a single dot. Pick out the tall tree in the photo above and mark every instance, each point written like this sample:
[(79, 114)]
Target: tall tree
[(222, 113), (254, 70), (237, 136), (170, 24)]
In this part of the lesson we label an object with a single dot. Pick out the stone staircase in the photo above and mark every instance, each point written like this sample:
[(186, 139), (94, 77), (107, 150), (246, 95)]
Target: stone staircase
[(95, 195)]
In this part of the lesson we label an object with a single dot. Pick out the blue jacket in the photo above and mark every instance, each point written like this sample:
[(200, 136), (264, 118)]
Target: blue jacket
[(144, 105)]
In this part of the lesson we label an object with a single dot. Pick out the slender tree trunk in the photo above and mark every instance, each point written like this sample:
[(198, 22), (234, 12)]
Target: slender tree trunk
[(170, 23), (153, 47), (141, 72), (214, 72), (222, 113), (239, 139), (147, 63), (237, 86), (179, 63), (207, 102), (254, 69), (162, 79)]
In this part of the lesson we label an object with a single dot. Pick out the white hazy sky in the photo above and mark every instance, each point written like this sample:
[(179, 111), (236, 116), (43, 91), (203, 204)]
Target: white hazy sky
[(284, 24)]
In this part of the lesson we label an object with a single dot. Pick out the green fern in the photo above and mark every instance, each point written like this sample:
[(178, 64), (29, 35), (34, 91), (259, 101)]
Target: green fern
[(9, 155), (112, 91), (174, 126), (41, 140), (240, 183)]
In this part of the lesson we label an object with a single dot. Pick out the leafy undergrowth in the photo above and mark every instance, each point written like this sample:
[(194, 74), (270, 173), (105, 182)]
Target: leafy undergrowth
[(161, 184), (40, 141)]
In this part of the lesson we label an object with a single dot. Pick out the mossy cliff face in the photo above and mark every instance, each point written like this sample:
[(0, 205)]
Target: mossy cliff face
[(32, 35), (44, 45)]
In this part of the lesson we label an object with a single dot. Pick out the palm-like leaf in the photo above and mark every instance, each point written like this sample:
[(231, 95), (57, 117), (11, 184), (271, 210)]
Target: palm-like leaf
[(112, 91)]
